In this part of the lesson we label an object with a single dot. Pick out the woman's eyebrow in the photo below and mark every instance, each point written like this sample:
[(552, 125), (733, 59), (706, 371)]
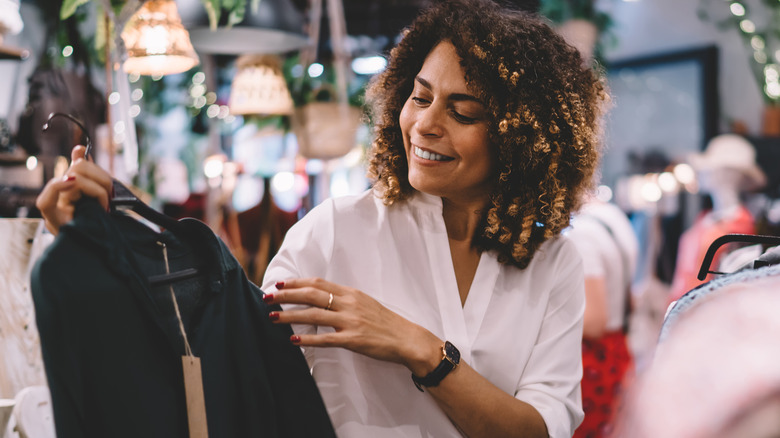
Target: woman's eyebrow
[(452, 97)]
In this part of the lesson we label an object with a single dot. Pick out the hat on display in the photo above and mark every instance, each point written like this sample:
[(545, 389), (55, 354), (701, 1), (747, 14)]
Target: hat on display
[(731, 151)]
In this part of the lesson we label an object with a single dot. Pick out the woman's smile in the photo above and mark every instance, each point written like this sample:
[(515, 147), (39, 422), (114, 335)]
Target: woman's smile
[(429, 155)]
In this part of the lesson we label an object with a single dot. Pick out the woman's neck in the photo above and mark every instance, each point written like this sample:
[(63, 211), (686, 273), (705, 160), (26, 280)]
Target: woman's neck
[(461, 219)]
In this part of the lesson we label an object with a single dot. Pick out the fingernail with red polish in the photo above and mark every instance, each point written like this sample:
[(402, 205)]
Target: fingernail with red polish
[(279, 285), (295, 339), (268, 298), (273, 316), (68, 178)]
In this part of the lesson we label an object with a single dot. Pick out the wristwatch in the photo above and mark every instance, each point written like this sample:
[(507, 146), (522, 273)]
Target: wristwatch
[(450, 359)]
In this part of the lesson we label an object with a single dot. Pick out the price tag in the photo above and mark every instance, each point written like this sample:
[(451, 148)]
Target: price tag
[(196, 403)]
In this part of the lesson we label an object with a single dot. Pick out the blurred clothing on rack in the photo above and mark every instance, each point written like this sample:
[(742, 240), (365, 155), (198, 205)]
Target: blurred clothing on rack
[(715, 373), (695, 241)]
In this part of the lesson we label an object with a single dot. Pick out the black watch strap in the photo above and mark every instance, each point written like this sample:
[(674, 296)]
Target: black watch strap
[(450, 359)]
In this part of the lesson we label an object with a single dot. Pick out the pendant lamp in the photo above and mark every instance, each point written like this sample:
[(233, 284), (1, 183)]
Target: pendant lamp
[(259, 87), (273, 26), (156, 41)]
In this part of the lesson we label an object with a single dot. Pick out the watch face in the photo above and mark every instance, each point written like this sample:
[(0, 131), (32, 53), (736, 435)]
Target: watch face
[(452, 353)]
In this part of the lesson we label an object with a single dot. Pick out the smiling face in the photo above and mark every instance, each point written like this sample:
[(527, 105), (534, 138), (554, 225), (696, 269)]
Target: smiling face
[(445, 132)]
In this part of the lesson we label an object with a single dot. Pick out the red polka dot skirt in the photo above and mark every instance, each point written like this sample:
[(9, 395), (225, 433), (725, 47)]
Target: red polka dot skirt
[(606, 364)]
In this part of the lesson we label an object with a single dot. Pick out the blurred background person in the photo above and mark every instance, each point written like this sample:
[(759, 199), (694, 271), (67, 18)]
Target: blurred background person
[(609, 247)]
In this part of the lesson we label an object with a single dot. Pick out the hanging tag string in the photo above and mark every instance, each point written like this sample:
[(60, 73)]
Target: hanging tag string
[(187, 349), (192, 373)]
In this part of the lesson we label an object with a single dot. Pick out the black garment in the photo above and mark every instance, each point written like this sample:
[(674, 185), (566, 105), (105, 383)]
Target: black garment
[(112, 346)]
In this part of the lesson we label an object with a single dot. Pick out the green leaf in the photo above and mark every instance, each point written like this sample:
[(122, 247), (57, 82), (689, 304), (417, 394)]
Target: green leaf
[(237, 12), (69, 8), (213, 9)]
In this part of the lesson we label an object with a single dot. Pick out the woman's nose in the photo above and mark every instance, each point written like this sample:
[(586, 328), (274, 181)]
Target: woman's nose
[(429, 121)]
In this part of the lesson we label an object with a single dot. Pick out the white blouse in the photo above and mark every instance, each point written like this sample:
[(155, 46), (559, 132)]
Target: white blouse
[(520, 329)]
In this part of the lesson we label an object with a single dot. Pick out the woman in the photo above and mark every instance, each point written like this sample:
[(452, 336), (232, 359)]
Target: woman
[(486, 140)]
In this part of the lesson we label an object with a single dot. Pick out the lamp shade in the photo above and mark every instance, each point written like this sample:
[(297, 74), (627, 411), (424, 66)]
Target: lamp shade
[(157, 42), (276, 26), (259, 87)]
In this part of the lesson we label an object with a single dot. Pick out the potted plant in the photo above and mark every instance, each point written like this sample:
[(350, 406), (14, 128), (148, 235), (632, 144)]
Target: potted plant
[(124, 9), (326, 115), (760, 38), (580, 23)]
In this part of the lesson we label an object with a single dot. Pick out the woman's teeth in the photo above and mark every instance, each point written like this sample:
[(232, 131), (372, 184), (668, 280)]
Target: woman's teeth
[(426, 155)]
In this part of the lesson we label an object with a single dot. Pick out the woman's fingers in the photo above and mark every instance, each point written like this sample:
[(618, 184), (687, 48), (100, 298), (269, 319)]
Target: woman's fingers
[(313, 292), (90, 188), (83, 178), (90, 171), (360, 323), (317, 283), (318, 340), (48, 200), (91, 180), (77, 153), (309, 315)]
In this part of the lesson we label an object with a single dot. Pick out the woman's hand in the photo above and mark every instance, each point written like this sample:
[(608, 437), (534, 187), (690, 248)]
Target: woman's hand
[(365, 326), (361, 324), (83, 178)]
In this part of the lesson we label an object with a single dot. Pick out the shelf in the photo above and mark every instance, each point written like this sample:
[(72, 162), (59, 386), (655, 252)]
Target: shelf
[(13, 53), (14, 158)]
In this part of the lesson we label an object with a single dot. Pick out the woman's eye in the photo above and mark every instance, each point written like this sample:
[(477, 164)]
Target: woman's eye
[(463, 119), (419, 100)]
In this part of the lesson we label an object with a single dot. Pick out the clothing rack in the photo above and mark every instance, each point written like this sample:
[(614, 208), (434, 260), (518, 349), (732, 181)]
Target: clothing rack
[(730, 238)]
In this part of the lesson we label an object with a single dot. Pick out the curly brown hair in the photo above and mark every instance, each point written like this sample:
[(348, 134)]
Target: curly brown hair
[(544, 107)]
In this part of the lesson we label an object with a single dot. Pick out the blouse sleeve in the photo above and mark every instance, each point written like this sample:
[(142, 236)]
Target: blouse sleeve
[(551, 379), (305, 252)]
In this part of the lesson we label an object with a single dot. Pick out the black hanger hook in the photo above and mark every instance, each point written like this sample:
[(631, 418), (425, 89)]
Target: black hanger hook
[(84, 132), (728, 238)]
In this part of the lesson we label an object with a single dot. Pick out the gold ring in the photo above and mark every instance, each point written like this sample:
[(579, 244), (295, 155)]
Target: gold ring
[(330, 302)]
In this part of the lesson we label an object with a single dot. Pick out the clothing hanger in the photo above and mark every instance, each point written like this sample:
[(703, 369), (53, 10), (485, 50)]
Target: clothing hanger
[(123, 197), (744, 238)]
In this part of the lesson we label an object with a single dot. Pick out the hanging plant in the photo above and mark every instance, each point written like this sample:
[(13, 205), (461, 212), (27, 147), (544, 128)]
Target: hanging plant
[(121, 11), (560, 11), (236, 9), (563, 11), (761, 38), (324, 122)]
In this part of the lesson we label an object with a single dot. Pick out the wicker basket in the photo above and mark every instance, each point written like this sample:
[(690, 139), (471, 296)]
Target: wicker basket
[(326, 130)]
